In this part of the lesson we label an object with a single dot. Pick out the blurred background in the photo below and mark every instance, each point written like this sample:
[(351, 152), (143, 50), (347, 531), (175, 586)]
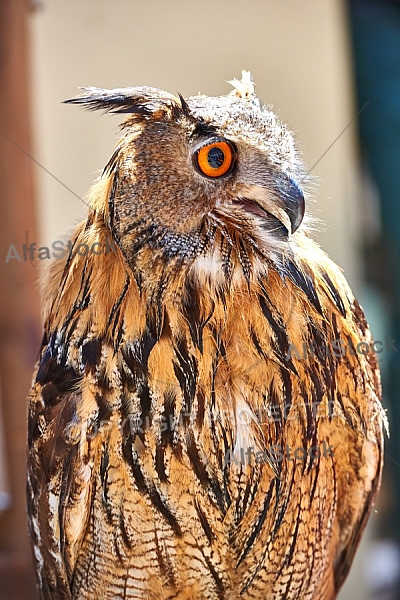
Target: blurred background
[(317, 62)]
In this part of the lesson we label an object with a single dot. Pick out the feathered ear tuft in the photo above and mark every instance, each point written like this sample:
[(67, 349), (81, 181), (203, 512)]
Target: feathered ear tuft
[(135, 100), (185, 107)]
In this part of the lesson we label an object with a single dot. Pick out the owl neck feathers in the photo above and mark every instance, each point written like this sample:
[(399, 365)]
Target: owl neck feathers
[(113, 296), (192, 339)]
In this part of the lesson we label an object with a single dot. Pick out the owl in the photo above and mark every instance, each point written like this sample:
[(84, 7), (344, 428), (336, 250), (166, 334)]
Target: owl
[(202, 422)]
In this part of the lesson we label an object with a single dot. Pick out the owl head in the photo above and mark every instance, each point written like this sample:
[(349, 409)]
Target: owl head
[(207, 183)]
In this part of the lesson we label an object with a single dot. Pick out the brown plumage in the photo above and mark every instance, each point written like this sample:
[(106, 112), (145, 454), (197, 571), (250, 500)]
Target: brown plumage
[(182, 345)]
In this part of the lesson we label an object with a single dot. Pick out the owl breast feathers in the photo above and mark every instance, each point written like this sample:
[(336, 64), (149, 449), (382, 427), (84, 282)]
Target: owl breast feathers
[(200, 424)]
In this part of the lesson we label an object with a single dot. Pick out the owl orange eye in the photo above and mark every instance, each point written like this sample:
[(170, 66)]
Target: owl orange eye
[(215, 159)]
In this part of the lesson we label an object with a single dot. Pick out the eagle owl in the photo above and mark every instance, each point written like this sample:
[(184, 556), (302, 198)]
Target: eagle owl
[(202, 424)]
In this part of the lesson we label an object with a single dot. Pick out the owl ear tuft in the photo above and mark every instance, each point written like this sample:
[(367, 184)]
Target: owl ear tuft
[(136, 100), (185, 107)]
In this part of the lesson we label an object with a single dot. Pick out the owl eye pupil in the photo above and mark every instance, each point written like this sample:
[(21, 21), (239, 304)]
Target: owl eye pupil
[(215, 158)]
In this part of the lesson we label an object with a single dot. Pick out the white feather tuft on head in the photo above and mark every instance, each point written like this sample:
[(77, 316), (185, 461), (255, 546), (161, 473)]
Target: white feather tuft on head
[(244, 88)]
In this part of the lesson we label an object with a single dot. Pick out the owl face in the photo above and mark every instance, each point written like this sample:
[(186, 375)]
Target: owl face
[(195, 176)]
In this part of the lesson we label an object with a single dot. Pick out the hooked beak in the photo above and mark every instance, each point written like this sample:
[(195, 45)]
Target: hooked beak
[(282, 206)]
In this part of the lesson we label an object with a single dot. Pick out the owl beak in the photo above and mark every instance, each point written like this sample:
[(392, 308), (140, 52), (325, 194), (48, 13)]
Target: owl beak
[(282, 209), (293, 203)]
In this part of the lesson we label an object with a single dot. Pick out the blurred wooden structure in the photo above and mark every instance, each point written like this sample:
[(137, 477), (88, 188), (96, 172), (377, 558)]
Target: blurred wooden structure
[(19, 301)]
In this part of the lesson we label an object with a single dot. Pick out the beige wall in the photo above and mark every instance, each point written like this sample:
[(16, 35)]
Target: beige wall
[(296, 50)]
